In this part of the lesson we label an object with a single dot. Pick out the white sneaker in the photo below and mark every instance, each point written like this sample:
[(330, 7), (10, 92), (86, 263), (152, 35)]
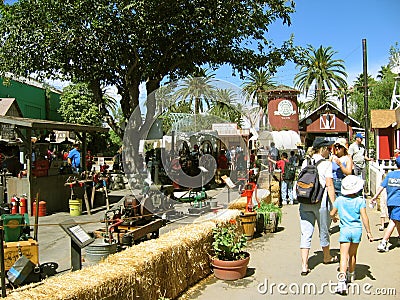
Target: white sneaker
[(341, 288), (284, 202), (291, 202), (383, 246)]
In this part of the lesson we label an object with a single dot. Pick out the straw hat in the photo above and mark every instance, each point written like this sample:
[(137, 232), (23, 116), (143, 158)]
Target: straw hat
[(341, 142), (352, 184)]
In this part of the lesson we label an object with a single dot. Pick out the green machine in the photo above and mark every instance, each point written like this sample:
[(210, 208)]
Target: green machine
[(16, 227)]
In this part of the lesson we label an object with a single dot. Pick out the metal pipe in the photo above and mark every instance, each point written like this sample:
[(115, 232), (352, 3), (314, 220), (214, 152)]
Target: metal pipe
[(364, 44)]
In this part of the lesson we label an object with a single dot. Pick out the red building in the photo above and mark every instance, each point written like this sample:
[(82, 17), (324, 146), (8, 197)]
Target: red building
[(283, 109), (386, 124), (327, 121)]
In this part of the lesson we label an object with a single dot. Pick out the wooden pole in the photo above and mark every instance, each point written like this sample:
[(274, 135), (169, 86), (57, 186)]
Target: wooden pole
[(365, 70), (35, 228), (86, 199), (93, 194)]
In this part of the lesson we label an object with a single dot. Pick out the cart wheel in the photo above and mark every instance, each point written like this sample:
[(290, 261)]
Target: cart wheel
[(48, 269), (155, 234)]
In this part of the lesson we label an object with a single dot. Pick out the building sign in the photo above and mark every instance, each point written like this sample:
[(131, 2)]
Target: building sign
[(285, 109), (327, 121), (7, 132)]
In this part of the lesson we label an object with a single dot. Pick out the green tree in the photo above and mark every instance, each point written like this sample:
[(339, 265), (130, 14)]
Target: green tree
[(224, 106), (383, 72), (359, 82), (257, 84), (342, 94), (380, 94), (198, 91), (128, 43), (320, 70), (77, 105)]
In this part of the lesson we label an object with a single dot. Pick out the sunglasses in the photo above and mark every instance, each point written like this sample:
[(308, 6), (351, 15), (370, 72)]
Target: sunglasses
[(339, 147)]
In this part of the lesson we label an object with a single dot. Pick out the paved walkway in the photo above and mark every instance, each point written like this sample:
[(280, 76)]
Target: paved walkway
[(274, 269)]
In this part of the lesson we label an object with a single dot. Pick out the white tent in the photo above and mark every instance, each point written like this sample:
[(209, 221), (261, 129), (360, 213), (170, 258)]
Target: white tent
[(284, 140)]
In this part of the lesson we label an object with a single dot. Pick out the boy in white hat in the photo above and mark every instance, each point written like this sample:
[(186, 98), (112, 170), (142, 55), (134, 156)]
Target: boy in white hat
[(351, 207)]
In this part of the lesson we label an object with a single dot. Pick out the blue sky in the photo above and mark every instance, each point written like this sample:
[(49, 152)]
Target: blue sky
[(341, 24)]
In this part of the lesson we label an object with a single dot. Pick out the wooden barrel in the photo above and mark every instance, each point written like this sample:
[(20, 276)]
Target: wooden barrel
[(248, 221)]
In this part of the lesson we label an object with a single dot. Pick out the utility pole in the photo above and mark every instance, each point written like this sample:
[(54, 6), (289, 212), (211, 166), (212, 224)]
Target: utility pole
[(364, 46)]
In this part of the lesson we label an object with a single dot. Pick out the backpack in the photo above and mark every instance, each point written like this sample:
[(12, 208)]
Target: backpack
[(308, 188), (289, 172), (274, 152)]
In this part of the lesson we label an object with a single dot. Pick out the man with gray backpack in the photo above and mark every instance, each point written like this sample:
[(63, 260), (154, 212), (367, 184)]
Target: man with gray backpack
[(315, 193)]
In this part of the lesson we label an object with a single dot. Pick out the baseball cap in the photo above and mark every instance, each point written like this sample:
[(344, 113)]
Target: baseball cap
[(321, 142), (359, 135)]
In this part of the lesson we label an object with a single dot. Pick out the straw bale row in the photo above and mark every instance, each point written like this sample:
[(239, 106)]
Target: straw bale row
[(163, 267), (241, 202)]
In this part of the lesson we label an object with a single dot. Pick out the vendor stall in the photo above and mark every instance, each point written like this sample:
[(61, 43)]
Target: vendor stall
[(41, 178)]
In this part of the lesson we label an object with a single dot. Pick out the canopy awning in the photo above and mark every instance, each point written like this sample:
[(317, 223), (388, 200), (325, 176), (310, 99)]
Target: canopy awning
[(284, 140), (49, 125)]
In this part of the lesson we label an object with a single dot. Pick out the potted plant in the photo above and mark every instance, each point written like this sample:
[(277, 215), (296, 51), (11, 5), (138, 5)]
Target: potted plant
[(268, 217), (230, 260)]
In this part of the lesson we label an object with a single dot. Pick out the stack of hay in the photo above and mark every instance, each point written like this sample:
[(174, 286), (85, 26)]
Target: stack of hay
[(240, 203), (163, 267), (275, 192)]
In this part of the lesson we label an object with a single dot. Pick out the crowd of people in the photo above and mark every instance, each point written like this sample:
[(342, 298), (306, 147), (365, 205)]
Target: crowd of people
[(341, 172)]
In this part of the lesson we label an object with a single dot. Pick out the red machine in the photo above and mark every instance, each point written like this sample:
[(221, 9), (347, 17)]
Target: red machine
[(249, 188)]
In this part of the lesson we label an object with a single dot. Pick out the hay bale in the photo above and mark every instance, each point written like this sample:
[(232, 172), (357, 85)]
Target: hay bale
[(164, 267), (240, 203), (221, 216)]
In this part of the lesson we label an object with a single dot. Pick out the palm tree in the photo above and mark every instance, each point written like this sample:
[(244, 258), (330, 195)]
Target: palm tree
[(383, 72), (342, 95), (318, 69), (225, 106), (359, 82), (256, 84), (196, 90)]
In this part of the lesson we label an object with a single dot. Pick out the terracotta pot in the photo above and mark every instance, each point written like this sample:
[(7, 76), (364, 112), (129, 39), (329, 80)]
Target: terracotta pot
[(230, 270)]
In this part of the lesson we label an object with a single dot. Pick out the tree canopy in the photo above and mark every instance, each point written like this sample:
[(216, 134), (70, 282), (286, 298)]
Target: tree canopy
[(126, 43)]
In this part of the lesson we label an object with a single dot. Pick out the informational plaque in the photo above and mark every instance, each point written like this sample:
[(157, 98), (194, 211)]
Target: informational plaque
[(228, 181), (77, 233)]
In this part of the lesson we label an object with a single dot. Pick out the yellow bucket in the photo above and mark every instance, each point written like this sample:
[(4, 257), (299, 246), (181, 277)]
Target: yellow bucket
[(75, 207)]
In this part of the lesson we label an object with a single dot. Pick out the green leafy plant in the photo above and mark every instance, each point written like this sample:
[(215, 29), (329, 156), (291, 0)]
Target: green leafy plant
[(229, 242), (265, 209)]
